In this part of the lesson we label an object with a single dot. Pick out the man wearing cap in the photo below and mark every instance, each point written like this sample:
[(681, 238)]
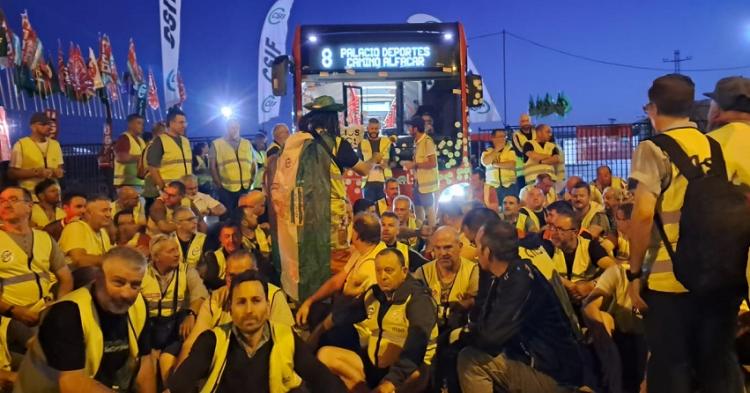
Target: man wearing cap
[(729, 118), (524, 134), (37, 156), (128, 151), (426, 167)]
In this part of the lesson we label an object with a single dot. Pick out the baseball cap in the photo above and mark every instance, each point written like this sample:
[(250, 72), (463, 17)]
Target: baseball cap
[(416, 121), (40, 117), (732, 93)]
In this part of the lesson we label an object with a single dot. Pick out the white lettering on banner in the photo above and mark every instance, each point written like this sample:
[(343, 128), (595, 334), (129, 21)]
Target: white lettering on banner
[(373, 57), (169, 10), (272, 44)]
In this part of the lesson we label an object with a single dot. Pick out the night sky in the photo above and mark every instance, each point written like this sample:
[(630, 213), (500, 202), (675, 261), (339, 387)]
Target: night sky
[(218, 54)]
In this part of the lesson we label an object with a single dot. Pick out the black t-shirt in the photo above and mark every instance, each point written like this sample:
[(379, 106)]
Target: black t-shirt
[(243, 373), (345, 156), (61, 338), (527, 147), (596, 252)]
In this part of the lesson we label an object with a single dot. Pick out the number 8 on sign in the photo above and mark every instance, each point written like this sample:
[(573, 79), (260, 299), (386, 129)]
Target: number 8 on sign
[(327, 60)]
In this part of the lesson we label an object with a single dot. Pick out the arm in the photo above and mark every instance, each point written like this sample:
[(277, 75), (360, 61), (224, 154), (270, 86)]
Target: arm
[(421, 314), (145, 381), (317, 377), (213, 166), (202, 323), (551, 160), (29, 173), (122, 151), (430, 163), (537, 156), (331, 286), (362, 168), (77, 381), (218, 210), (196, 367), (65, 281), (80, 258), (153, 159), (592, 310)]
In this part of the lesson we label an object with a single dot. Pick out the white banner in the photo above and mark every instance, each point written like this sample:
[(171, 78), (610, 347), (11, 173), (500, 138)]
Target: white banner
[(169, 13), (272, 44), (488, 111)]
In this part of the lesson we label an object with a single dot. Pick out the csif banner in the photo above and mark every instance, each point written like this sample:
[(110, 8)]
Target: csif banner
[(272, 44), (488, 111), (169, 13)]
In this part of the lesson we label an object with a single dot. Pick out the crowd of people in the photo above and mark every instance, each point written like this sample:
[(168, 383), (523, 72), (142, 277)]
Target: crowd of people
[(535, 282)]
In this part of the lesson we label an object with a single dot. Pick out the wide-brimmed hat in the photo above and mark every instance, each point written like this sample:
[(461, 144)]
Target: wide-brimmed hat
[(325, 103)]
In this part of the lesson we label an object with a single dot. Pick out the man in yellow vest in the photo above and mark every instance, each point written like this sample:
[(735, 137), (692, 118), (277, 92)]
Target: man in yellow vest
[(233, 164), (410, 227), (260, 158), (684, 356), (359, 272), (74, 205), (128, 152), (540, 155), (531, 217), (161, 212), (86, 241), (389, 230), (590, 213), (96, 338), (729, 118), (213, 313), (499, 163), (545, 183), (206, 204), (426, 174), (251, 352), (511, 209), (214, 269), (192, 244), (280, 134), (47, 207), (604, 179), (174, 293), (128, 198), (596, 195), (37, 156), (399, 326), (169, 157), (391, 189), (525, 133), (254, 237), (29, 259), (377, 149), (130, 234)]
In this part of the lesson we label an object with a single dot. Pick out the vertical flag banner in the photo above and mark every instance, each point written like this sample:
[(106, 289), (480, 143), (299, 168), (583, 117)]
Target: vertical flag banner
[(153, 95), (181, 89), (488, 111), (4, 137), (272, 44), (169, 10)]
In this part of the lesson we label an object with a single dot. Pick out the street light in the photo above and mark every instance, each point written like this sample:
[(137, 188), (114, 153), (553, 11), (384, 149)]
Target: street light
[(227, 111)]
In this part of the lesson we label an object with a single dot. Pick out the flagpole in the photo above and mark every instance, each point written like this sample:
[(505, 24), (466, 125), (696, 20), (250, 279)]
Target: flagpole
[(59, 103), (2, 90)]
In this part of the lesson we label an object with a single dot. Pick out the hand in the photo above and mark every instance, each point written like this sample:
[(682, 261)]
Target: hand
[(302, 312), (25, 315), (408, 165), (187, 326), (47, 173), (58, 173), (465, 300), (377, 158), (7, 379), (385, 387), (634, 292)]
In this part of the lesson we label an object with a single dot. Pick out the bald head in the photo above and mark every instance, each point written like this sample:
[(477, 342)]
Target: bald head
[(127, 197), (535, 199), (446, 233), (572, 181), (446, 247), (280, 133)]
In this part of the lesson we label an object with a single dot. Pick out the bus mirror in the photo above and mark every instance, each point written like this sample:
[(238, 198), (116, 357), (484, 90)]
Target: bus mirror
[(279, 72), (474, 95)]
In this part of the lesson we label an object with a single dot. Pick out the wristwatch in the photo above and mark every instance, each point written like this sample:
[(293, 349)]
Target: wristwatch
[(632, 276)]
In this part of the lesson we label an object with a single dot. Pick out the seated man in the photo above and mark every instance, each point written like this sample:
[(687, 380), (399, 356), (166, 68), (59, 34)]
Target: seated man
[(481, 191), (128, 198), (213, 312), (174, 293), (192, 243), (74, 205), (545, 183), (389, 230), (511, 209), (85, 241), (96, 338), (206, 204), (567, 192), (409, 231), (251, 352), (161, 212), (359, 272), (47, 208), (591, 214), (214, 265), (128, 233), (531, 217), (397, 317), (521, 341), (392, 189), (251, 207)]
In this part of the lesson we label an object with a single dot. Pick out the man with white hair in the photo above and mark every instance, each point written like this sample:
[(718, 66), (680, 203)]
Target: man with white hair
[(280, 135), (206, 204)]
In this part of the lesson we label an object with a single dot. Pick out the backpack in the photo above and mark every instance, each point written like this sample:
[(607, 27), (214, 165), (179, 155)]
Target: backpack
[(714, 234)]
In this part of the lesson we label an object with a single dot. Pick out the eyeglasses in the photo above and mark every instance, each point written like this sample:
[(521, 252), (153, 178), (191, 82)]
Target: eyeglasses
[(553, 228), (12, 200)]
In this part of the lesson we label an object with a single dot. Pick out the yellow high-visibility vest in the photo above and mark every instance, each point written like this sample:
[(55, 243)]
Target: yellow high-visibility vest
[(127, 174), (461, 285), (34, 157), (384, 148), (583, 267), (194, 252), (236, 167), (26, 279), (499, 177), (427, 179), (532, 168), (39, 217), (164, 303), (177, 160)]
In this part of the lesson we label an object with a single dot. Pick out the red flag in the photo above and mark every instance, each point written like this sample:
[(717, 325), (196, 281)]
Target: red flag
[(105, 59), (94, 74), (390, 118), (353, 110), (153, 96), (63, 78), (30, 42), (181, 88), (135, 70)]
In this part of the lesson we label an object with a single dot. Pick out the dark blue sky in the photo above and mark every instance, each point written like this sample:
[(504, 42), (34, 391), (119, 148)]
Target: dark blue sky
[(218, 54)]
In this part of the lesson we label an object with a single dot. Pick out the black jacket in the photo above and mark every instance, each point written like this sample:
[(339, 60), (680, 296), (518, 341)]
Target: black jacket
[(522, 318)]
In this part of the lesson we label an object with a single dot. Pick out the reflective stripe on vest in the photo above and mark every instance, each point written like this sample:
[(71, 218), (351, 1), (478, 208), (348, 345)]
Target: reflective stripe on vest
[(166, 302), (389, 331), (382, 206), (458, 288), (177, 160), (236, 167), (594, 208), (194, 253), (26, 280), (583, 267), (526, 214), (532, 167), (662, 277), (34, 157), (281, 375), (427, 179), (543, 262), (261, 240), (127, 174), (221, 261)]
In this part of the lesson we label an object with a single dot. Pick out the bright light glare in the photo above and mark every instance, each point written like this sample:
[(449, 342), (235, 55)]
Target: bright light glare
[(455, 192), (227, 111), (448, 36), (312, 38)]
